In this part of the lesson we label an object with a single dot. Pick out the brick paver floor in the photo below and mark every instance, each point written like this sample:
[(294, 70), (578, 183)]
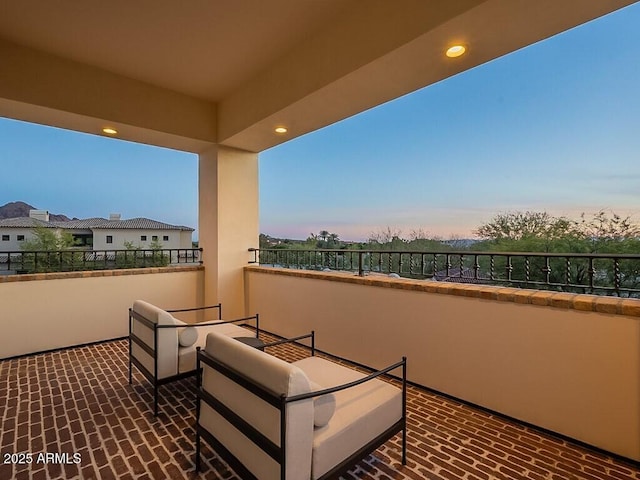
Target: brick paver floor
[(72, 414)]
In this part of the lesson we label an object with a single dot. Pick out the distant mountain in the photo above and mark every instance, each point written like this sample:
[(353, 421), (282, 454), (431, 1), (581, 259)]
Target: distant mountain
[(21, 209)]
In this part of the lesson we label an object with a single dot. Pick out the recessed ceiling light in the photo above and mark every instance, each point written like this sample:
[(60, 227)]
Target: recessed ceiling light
[(281, 130), (455, 51), (109, 131)]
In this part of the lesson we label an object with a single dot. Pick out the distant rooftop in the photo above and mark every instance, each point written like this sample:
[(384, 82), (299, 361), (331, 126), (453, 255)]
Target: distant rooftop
[(140, 223), (25, 222), (86, 223)]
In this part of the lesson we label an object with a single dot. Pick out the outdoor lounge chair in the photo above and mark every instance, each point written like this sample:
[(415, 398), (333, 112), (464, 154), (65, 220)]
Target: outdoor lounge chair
[(310, 419), (163, 348)]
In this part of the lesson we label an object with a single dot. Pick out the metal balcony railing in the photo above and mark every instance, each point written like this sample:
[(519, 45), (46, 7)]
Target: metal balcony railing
[(601, 274), (47, 261)]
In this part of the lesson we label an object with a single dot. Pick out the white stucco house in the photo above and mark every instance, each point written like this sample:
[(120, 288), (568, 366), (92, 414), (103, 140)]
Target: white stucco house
[(97, 233)]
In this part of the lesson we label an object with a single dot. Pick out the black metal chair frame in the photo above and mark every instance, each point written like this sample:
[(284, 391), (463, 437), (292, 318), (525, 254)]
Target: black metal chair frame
[(281, 402), (153, 351)]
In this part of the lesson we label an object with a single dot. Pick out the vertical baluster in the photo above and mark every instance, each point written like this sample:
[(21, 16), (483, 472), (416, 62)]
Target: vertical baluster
[(476, 267), (435, 266), (508, 269), (617, 277), (492, 266), (547, 270)]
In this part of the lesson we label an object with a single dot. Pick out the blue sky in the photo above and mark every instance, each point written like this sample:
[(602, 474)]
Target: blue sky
[(551, 127)]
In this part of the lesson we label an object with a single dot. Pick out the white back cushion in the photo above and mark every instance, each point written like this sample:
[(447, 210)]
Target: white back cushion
[(167, 346)]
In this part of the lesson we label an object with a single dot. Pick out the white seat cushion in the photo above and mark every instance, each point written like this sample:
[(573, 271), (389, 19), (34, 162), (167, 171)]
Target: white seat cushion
[(362, 412)]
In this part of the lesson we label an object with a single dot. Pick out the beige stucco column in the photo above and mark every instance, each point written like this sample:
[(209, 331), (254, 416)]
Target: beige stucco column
[(227, 223)]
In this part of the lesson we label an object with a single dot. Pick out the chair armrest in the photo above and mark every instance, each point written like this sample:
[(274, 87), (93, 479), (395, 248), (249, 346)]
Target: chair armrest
[(295, 340), (209, 323), (178, 310), (216, 322), (221, 322), (402, 363)]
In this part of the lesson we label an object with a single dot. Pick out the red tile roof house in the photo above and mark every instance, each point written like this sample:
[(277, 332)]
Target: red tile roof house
[(100, 233)]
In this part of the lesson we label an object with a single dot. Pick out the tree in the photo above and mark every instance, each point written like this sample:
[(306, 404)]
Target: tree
[(386, 236), (541, 232), (333, 240), (135, 257), (517, 226), (324, 239), (609, 233), (48, 239), (48, 251), (420, 234)]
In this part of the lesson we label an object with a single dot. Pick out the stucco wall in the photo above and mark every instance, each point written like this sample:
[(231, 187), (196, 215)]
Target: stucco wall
[(176, 238), (568, 370), (61, 310), (13, 245)]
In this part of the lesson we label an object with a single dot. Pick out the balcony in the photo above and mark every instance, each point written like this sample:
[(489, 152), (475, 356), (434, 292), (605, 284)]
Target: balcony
[(494, 361), (567, 363), (81, 407)]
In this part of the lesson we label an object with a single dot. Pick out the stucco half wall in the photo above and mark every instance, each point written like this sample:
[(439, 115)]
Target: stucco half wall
[(48, 311), (563, 368)]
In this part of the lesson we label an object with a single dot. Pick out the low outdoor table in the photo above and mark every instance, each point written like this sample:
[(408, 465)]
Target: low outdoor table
[(252, 342)]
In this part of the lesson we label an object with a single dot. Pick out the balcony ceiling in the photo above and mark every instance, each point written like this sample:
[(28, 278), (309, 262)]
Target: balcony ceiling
[(190, 74)]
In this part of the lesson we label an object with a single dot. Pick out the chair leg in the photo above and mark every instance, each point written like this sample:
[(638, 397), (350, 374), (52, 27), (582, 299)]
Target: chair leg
[(155, 399), (197, 460), (404, 445)]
